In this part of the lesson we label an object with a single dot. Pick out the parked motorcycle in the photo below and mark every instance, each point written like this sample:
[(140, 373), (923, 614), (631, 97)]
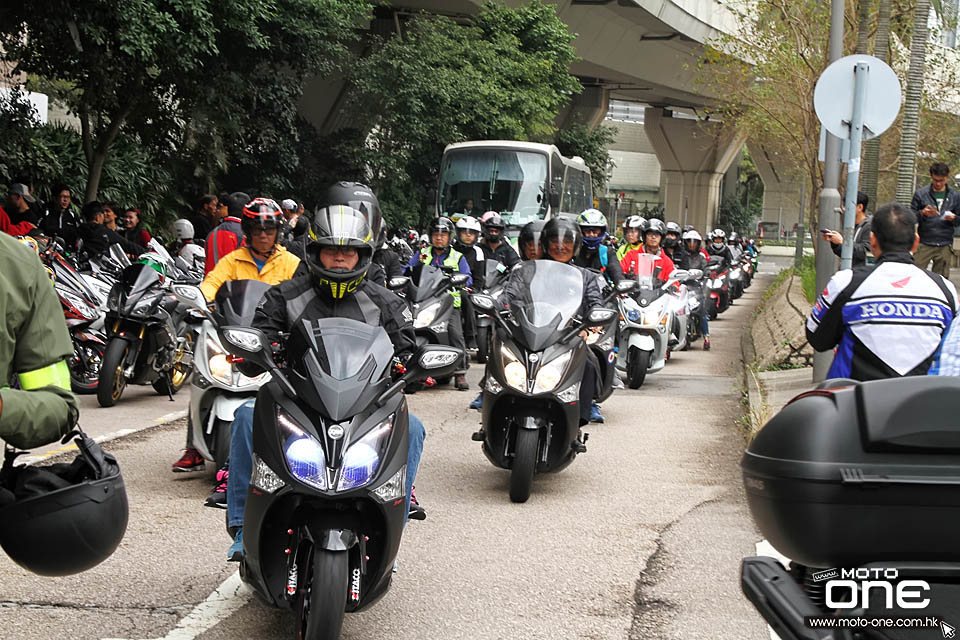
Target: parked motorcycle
[(149, 341), (647, 322), (326, 507), (494, 277), (431, 304), (857, 480), (531, 397), (718, 287), (217, 388)]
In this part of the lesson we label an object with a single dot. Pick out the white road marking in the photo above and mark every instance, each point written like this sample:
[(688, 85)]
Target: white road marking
[(764, 548), (220, 605), (169, 417)]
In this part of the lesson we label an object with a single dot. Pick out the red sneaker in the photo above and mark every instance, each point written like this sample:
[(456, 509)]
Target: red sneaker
[(429, 382), (191, 460)]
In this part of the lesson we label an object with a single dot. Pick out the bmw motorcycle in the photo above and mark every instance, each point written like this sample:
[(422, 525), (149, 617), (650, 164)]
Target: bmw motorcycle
[(855, 484), (326, 506), (149, 341), (217, 387), (531, 397)]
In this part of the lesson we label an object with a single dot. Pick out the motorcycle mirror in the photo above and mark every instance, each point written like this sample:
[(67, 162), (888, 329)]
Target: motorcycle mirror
[(434, 359), (398, 282), (599, 316), (626, 286), (482, 301), (459, 279), (190, 296)]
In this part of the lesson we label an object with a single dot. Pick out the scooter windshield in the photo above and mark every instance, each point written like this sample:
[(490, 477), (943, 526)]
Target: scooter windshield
[(553, 293), (645, 266), (493, 273), (426, 287), (340, 362), (237, 301)]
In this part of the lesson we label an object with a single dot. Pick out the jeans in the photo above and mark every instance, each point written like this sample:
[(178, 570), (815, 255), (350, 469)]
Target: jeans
[(704, 324), (241, 460)]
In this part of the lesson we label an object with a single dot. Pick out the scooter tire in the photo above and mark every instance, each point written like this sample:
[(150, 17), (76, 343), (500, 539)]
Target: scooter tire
[(524, 464), (323, 599), (112, 381), (483, 345), (82, 386), (638, 361)]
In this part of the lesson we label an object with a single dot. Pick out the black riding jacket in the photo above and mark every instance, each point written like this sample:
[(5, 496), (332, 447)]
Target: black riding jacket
[(588, 259)]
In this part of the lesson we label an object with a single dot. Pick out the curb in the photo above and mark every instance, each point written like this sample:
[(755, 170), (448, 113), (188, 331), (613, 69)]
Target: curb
[(748, 354), (107, 437)]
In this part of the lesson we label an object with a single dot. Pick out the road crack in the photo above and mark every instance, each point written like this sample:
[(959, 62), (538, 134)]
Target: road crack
[(176, 609)]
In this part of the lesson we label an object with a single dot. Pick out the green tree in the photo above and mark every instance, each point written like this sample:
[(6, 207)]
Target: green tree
[(170, 69), (912, 103), (504, 76)]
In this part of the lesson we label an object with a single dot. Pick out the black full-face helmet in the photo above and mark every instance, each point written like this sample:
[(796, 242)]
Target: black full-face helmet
[(359, 196), (530, 233), (338, 226), (563, 230)]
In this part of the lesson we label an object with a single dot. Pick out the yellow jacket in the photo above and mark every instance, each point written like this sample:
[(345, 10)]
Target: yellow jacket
[(239, 265)]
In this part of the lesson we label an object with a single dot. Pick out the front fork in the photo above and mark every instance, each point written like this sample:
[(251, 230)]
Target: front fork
[(299, 545)]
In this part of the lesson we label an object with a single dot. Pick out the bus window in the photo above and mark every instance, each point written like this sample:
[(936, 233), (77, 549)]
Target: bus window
[(512, 183)]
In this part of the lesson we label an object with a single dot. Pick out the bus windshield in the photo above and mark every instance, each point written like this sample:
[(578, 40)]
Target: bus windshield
[(512, 183)]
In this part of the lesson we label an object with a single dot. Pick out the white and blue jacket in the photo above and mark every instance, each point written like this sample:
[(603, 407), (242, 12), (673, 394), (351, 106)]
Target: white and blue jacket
[(886, 320)]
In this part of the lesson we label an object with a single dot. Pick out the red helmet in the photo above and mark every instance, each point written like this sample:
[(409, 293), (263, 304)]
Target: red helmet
[(260, 212)]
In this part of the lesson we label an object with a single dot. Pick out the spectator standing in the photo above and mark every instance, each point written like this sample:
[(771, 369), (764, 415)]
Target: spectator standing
[(97, 238), (133, 227), (861, 233), (61, 220), (886, 320), (936, 207), (206, 217), (228, 235), (110, 210), (17, 206)]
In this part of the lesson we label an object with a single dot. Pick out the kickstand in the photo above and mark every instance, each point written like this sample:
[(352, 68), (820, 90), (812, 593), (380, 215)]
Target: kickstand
[(169, 375)]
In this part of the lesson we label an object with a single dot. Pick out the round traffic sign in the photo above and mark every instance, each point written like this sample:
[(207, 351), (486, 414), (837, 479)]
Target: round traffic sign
[(833, 96)]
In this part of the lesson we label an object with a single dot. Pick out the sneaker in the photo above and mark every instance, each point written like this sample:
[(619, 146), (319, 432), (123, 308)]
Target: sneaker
[(191, 460), (595, 415), (618, 381), (218, 497), (235, 552), (416, 511), (706, 343), (429, 382), (477, 402), (460, 382)]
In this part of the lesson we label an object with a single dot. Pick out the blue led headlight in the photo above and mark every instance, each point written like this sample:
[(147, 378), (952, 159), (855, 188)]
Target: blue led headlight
[(305, 458), (361, 461)]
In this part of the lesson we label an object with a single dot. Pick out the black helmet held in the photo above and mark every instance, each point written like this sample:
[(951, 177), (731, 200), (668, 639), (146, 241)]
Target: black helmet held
[(338, 226), (63, 518)]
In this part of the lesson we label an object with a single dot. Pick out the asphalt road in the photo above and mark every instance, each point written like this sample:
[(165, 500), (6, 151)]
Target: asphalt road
[(640, 538)]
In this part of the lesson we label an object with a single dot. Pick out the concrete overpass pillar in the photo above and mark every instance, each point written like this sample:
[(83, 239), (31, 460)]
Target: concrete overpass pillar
[(782, 190), (693, 157)]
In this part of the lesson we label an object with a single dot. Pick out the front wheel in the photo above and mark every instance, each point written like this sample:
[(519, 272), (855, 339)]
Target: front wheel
[(524, 464), (638, 361), (85, 368), (112, 379), (170, 382), (323, 597)]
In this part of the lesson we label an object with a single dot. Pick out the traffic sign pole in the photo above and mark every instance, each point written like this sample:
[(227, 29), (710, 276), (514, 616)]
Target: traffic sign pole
[(861, 77)]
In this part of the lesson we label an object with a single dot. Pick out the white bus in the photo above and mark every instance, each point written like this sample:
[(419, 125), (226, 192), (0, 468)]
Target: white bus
[(522, 181)]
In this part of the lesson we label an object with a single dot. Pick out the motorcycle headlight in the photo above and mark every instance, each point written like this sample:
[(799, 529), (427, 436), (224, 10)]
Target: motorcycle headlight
[(514, 371), (362, 459), (394, 488), (143, 306), (550, 374), (426, 316), (263, 477), (305, 458), (79, 304), (217, 363), (634, 316), (113, 298)]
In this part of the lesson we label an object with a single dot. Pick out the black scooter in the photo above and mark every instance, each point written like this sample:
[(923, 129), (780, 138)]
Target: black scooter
[(856, 483), (431, 304), (531, 398), (494, 277), (326, 505)]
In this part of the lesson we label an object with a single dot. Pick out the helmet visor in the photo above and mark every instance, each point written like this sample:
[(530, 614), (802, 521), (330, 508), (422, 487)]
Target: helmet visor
[(341, 225)]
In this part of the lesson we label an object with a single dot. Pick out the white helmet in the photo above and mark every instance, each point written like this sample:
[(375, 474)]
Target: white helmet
[(468, 223), (194, 254), (693, 234), (718, 233), (184, 229), (289, 204)]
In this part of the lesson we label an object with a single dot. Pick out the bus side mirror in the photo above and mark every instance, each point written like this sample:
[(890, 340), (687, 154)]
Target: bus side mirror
[(554, 196)]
